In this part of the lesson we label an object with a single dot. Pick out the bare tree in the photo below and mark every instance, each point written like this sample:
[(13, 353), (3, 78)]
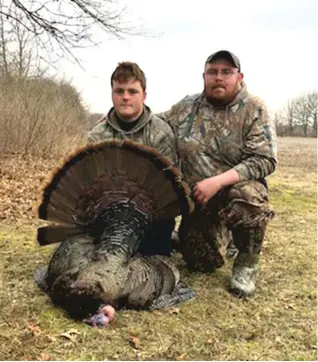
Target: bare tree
[(4, 61), (16, 55), (23, 56), (280, 123), (290, 116), (306, 112), (313, 109), (299, 116), (302, 114), (61, 26)]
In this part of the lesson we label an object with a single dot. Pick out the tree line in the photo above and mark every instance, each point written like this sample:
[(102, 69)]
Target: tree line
[(298, 117), (43, 115)]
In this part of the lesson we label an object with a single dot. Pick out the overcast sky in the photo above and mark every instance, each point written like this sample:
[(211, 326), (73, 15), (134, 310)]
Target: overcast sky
[(275, 40)]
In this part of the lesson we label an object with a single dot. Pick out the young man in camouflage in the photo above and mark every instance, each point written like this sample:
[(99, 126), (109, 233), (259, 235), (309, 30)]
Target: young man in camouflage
[(130, 118), (227, 146)]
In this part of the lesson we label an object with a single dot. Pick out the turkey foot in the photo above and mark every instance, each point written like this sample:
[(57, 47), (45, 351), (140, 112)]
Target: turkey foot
[(179, 294), (102, 318)]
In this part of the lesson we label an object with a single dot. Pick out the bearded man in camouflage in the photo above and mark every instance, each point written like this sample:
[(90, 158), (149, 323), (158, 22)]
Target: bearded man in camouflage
[(227, 146), (130, 118)]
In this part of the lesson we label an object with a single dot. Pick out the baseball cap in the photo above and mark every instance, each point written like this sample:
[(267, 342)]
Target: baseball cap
[(226, 55)]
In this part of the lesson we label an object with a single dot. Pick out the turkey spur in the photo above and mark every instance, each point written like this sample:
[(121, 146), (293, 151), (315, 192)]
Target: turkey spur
[(101, 202)]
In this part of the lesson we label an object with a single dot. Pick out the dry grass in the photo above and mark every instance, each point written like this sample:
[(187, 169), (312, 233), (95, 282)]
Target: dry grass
[(28, 127), (279, 323)]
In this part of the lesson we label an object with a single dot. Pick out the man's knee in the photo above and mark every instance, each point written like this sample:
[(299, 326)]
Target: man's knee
[(247, 191), (203, 240), (246, 204)]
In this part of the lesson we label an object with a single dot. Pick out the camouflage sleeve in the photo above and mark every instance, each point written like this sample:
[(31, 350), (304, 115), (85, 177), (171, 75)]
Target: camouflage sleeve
[(164, 140), (177, 112), (165, 115), (260, 151), (97, 133)]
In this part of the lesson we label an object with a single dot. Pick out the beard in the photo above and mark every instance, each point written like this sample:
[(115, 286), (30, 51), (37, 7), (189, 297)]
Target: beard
[(218, 102), (222, 100)]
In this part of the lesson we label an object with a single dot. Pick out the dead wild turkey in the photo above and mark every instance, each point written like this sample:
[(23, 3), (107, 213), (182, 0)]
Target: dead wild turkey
[(103, 199)]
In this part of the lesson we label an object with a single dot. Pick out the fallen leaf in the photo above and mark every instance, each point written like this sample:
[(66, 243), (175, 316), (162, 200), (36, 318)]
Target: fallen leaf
[(181, 357), (156, 312), (134, 341), (132, 332), (174, 311), (74, 331), (50, 338), (35, 329), (289, 306), (249, 336), (278, 339), (71, 334), (68, 336), (44, 357)]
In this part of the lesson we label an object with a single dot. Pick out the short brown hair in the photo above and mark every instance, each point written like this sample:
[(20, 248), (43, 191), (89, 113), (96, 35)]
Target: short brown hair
[(126, 71)]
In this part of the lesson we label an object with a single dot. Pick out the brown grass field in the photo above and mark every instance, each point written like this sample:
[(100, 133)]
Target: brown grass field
[(278, 323)]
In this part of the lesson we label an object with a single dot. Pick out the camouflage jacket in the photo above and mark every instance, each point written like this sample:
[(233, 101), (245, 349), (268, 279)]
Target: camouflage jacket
[(213, 140), (150, 130)]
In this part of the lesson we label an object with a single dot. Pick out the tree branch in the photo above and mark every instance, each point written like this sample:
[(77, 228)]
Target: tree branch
[(66, 25)]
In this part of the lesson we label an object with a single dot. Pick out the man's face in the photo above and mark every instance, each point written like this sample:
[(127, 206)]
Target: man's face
[(128, 99), (222, 81)]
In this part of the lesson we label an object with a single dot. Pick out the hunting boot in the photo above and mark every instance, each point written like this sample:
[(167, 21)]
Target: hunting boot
[(249, 242), (231, 250)]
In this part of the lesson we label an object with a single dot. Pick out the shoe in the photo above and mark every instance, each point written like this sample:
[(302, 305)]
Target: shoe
[(231, 251), (244, 273)]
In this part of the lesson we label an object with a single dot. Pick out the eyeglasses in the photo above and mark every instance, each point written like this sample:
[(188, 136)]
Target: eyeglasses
[(224, 73)]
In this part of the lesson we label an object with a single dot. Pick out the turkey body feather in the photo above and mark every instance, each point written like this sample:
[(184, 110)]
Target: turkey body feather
[(102, 200)]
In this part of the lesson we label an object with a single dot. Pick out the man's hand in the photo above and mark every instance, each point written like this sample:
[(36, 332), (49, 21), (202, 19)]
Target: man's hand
[(206, 189)]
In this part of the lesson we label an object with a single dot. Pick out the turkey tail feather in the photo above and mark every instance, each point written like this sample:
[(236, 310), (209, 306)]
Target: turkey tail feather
[(51, 234), (101, 174)]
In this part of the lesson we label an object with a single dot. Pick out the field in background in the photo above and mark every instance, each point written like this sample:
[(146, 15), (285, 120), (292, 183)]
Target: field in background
[(279, 323)]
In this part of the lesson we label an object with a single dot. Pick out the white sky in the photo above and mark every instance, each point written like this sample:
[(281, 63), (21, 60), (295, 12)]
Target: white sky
[(275, 40)]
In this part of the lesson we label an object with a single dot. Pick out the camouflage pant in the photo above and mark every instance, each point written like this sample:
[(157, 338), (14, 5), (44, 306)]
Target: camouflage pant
[(241, 210)]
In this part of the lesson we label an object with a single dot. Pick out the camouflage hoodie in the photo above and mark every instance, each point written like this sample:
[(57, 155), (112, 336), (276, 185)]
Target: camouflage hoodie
[(213, 140), (149, 130)]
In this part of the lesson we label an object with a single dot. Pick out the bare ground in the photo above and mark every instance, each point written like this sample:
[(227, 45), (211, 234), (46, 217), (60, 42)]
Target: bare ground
[(278, 323)]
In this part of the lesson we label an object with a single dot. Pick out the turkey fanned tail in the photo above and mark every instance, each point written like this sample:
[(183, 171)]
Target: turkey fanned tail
[(101, 201)]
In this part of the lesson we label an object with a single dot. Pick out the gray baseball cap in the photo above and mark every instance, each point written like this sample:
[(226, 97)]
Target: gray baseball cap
[(225, 54)]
